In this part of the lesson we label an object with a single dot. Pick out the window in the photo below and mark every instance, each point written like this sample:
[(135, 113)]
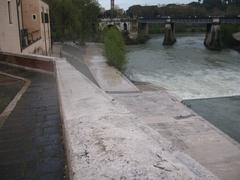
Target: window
[(34, 17), (9, 12), (42, 15), (46, 18)]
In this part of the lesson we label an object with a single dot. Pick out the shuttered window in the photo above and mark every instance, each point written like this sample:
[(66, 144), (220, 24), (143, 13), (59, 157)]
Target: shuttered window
[(9, 12)]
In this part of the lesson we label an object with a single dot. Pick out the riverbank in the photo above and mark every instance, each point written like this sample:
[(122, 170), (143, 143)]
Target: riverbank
[(114, 142), (167, 124)]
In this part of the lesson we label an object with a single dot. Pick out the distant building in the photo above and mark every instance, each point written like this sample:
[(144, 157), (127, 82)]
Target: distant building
[(25, 27), (112, 5)]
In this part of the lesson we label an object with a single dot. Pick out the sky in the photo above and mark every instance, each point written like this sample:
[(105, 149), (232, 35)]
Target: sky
[(126, 3)]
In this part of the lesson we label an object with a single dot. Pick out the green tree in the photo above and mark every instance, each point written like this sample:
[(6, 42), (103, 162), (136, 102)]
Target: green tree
[(135, 11), (87, 15), (74, 19), (115, 48), (210, 4)]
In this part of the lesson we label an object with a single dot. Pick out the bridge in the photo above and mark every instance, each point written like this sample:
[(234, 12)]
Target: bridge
[(141, 26), (190, 20)]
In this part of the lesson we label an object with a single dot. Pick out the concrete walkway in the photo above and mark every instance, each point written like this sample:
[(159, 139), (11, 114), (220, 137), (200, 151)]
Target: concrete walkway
[(105, 140), (123, 137), (9, 87), (186, 130), (31, 138), (74, 56), (108, 78)]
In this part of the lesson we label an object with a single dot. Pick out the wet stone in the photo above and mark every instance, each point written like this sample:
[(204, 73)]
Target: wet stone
[(31, 138)]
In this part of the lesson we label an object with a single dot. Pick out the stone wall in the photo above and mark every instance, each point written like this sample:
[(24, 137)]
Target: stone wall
[(9, 32), (29, 15)]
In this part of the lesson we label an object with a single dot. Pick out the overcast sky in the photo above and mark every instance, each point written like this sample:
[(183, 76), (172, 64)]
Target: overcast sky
[(126, 3)]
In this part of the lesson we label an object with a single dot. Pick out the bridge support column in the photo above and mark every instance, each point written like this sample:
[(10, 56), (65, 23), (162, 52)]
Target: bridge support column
[(133, 34), (213, 38), (169, 38), (144, 28)]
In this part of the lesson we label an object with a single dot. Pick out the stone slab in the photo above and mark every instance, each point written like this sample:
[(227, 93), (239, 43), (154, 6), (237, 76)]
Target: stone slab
[(31, 144)]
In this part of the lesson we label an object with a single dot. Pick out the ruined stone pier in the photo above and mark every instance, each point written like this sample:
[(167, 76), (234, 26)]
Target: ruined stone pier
[(169, 36), (213, 35)]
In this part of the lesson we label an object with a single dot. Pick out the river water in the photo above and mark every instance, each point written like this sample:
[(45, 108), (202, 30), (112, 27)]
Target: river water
[(186, 69)]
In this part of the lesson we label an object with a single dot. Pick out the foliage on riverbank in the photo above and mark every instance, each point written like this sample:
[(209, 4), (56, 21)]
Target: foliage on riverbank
[(114, 47), (227, 35), (202, 8), (74, 19)]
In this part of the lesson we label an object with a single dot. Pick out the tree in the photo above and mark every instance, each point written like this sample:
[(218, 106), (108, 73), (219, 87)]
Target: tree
[(134, 11), (74, 19), (88, 11), (114, 47), (210, 4)]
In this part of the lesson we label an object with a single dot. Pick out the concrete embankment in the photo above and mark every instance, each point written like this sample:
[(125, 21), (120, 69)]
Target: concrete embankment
[(108, 78), (133, 134), (105, 140), (187, 131)]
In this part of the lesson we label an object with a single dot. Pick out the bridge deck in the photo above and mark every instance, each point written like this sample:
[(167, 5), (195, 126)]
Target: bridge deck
[(189, 20)]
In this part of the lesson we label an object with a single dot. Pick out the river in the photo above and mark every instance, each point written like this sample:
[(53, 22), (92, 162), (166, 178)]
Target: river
[(186, 69)]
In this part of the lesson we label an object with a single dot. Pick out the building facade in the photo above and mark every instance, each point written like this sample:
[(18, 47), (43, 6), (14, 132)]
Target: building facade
[(25, 27)]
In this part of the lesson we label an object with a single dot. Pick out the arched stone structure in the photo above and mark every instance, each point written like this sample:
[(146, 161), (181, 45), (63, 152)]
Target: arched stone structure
[(118, 23), (143, 29)]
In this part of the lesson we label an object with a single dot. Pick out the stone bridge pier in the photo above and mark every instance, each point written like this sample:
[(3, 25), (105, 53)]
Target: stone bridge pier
[(169, 37), (213, 36), (144, 28)]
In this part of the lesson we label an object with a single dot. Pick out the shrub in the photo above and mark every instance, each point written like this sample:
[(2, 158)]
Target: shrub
[(115, 48)]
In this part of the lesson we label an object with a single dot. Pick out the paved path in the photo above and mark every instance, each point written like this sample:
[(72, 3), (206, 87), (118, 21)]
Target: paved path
[(108, 78), (9, 87), (186, 130), (74, 56), (31, 138)]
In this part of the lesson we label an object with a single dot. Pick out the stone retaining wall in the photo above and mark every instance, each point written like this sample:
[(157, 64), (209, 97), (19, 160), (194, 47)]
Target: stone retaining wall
[(35, 62)]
